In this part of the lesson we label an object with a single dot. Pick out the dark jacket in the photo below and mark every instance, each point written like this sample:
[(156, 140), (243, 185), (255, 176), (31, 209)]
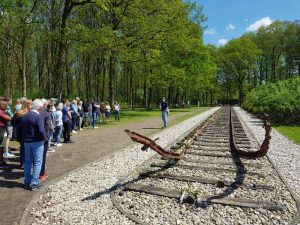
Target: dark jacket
[(32, 128), (47, 118)]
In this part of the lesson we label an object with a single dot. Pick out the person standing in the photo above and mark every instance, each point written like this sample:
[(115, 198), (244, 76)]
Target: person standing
[(58, 125), (45, 114), (32, 131), (95, 110), (9, 128), (4, 118), (107, 111), (66, 118), (117, 111), (81, 114), (16, 121), (102, 112), (164, 111), (75, 116)]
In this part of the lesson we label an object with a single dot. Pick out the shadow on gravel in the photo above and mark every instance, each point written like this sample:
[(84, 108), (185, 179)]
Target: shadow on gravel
[(238, 181), (122, 185)]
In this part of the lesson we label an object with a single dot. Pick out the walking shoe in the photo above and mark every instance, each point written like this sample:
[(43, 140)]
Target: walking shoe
[(35, 187), (69, 142), (51, 150), (26, 186), (74, 131), (44, 176), (80, 129), (8, 155), (58, 145)]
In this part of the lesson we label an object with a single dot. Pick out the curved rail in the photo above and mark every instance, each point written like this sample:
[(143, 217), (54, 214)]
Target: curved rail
[(151, 144), (264, 146)]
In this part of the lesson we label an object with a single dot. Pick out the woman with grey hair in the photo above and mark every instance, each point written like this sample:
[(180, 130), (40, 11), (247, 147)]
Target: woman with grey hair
[(58, 125), (33, 135)]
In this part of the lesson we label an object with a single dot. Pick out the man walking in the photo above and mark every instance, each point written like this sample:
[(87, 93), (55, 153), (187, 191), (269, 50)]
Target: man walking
[(33, 135), (164, 111)]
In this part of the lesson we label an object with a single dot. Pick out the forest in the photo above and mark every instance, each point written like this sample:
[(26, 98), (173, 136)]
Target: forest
[(135, 52)]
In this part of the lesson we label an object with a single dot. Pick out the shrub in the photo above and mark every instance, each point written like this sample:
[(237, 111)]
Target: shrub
[(280, 100)]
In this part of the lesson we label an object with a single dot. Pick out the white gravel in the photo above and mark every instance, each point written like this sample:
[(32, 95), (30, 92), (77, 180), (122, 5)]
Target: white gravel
[(65, 202), (284, 153)]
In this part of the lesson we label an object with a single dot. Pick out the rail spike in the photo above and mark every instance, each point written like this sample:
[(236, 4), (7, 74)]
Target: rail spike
[(264, 146), (151, 144)]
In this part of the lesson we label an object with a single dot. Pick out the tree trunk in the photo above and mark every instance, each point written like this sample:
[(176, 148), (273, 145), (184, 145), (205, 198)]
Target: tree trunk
[(149, 97), (112, 74), (24, 80)]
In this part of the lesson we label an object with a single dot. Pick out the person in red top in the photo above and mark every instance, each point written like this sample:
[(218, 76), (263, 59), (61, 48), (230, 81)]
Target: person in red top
[(3, 124)]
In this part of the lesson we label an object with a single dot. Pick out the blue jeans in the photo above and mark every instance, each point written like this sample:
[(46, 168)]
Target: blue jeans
[(164, 115), (95, 115), (57, 134), (33, 154)]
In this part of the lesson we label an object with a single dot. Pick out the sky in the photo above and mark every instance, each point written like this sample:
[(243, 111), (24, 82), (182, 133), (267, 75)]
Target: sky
[(228, 19)]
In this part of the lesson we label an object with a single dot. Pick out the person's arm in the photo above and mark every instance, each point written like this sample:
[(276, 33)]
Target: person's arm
[(69, 113), (5, 116), (41, 127)]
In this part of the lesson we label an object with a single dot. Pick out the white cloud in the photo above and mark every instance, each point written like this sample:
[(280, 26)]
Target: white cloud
[(223, 41), (259, 23), (230, 27), (211, 31)]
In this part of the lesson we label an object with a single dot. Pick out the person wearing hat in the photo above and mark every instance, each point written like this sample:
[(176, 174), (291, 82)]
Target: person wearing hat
[(164, 111)]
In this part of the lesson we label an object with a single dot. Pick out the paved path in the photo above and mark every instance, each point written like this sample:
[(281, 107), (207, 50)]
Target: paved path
[(89, 145)]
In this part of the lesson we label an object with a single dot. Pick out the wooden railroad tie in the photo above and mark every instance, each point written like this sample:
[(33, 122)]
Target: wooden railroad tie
[(193, 167), (237, 202)]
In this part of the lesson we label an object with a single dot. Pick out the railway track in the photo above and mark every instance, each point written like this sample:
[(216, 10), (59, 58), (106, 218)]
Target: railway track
[(215, 175)]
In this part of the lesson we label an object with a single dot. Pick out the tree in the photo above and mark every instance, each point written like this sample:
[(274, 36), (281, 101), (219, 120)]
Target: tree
[(237, 58)]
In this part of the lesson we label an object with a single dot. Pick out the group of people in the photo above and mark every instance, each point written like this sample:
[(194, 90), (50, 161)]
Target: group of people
[(34, 124)]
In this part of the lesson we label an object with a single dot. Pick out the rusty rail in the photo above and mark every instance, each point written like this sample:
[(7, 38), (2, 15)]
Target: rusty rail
[(264, 146), (151, 144)]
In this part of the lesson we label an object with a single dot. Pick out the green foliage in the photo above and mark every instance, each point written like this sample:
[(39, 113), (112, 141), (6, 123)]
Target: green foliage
[(280, 100)]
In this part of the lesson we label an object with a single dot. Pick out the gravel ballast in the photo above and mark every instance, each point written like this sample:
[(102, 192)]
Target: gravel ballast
[(284, 153), (82, 197)]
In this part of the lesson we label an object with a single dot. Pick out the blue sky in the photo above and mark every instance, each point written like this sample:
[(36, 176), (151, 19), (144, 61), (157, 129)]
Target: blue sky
[(228, 19)]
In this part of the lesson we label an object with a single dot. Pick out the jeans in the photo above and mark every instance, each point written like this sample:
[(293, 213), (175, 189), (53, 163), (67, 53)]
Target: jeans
[(33, 154), (117, 115), (57, 134), (74, 122), (164, 115), (95, 115)]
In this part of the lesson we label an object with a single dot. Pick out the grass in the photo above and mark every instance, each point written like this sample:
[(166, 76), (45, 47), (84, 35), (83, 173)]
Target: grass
[(140, 114), (292, 132)]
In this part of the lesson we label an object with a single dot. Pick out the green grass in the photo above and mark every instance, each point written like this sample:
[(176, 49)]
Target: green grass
[(292, 132), (140, 114)]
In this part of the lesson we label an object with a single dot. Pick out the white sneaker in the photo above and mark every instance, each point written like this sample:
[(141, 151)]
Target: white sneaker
[(80, 129), (59, 144), (8, 155), (74, 131)]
